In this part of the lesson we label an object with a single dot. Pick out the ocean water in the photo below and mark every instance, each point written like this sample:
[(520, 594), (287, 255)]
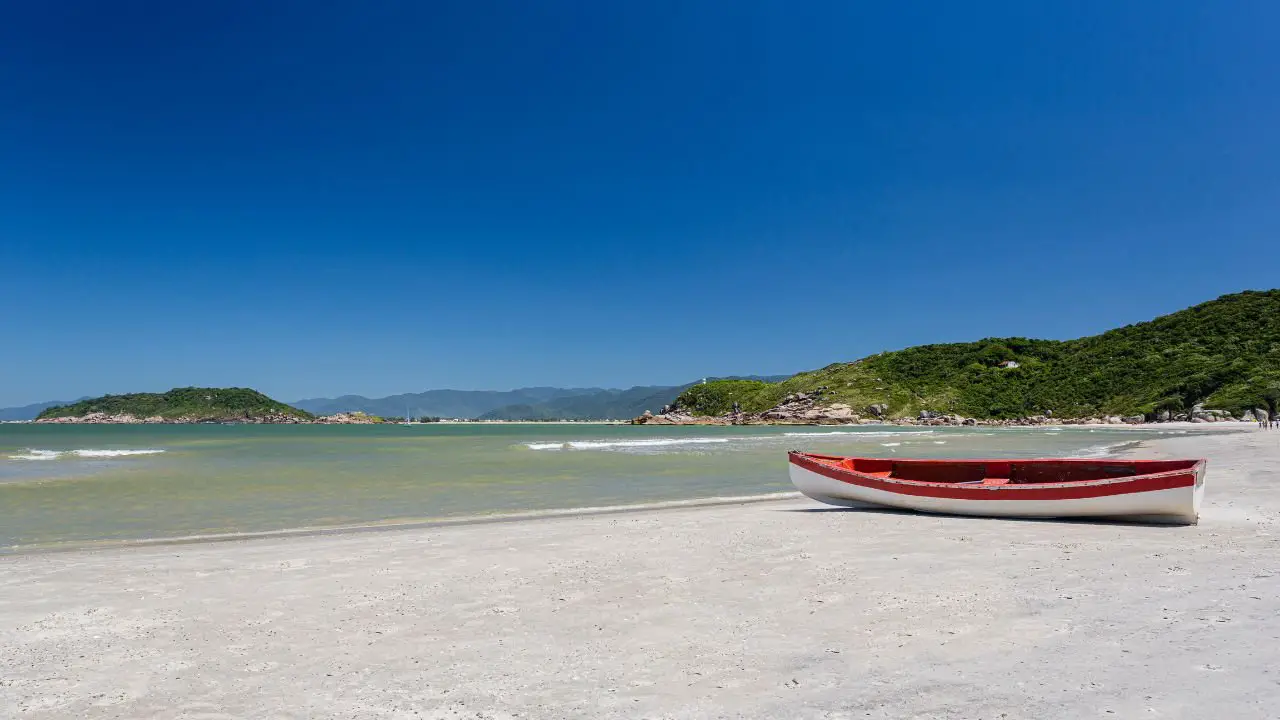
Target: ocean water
[(72, 485)]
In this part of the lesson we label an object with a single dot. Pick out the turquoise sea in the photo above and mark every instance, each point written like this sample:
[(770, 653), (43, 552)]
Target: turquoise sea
[(72, 485)]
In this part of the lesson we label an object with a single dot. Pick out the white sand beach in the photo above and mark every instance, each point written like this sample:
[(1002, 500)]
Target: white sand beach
[(773, 609)]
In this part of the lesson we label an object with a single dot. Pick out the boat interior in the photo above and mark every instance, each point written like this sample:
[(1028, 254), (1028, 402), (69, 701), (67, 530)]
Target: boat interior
[(1005, 472)]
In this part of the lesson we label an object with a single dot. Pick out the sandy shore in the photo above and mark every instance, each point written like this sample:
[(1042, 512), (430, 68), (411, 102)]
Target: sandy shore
[(779, 609)]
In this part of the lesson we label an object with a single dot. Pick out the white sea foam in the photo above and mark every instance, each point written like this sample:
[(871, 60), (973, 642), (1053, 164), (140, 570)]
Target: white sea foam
[(33, 454), (859, 434), (115, 453), (37, 455), (939, 442), (623, 444), (1098, 451), (890, 444)]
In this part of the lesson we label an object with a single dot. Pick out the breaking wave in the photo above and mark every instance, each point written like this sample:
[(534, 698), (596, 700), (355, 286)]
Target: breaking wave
[(622, 444), (37, 455), (1098, 451), (115, 453), (32, 454), (859, 434), (740, 440)]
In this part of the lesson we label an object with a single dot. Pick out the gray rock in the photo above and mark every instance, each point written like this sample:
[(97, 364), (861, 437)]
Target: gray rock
[(879, 409)]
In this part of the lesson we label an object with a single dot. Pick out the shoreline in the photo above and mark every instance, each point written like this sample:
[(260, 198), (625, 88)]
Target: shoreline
[(779, 608), (1119, 448), (398, 525)]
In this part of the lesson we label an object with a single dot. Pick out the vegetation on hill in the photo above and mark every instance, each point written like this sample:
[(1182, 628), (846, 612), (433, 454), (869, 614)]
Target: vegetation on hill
[(211, 404), (1224, 354)]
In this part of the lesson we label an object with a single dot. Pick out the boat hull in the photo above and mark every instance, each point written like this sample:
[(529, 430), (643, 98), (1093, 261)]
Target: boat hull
[(1171, 499)]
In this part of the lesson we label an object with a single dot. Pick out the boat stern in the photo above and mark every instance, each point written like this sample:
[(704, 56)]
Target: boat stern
[(822, 488)]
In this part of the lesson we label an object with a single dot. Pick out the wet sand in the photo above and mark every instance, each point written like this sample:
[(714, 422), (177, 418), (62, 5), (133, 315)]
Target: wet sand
[(776, 609)]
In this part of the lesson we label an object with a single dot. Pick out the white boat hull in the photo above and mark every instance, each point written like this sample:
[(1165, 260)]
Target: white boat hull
[(1178, 506)]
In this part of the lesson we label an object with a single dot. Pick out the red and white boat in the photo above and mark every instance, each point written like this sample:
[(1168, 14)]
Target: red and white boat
[(1158, 491)]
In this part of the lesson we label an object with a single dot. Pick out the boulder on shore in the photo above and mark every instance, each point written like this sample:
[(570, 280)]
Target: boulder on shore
[(677, 418)]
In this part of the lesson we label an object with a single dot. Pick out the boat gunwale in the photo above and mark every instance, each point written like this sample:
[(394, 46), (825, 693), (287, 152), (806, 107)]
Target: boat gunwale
[(809, 461)]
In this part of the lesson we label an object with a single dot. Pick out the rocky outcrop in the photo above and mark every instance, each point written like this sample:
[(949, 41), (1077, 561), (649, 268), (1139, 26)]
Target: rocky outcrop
[(275, 419), (813, 409), (805, 409), (347, 418), (936, 419), (94, 418), (678, 418)]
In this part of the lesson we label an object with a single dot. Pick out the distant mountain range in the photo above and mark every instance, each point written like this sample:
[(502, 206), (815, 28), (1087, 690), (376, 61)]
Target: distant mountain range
[(29, 412), (535, 403), (595, 405)]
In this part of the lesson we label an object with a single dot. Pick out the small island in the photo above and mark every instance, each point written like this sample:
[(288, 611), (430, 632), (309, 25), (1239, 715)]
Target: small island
[(193, 405)]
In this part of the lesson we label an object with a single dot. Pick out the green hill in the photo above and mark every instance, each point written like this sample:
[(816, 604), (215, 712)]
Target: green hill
[(191, 404), (1224, 354)]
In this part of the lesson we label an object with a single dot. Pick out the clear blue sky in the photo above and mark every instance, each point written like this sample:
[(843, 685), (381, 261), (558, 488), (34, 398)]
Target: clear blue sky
[(314, 198)]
